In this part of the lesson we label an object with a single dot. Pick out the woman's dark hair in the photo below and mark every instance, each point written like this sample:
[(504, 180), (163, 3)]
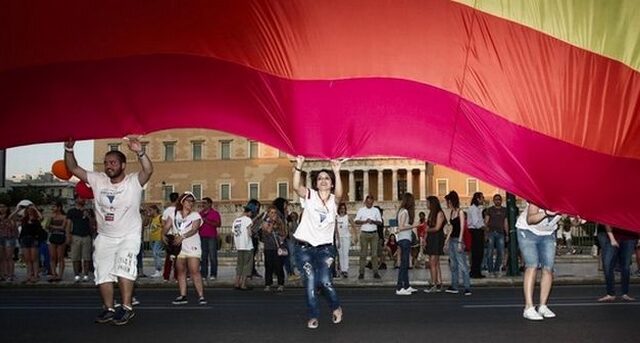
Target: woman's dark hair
[(409, 204), (28, 212), (434, 209), (314, 183), (60, 206), (453, 199), (341, 205), (280, 204), (475, 200)]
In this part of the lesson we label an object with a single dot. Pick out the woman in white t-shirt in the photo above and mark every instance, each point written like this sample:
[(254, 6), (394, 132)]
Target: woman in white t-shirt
[(314, 238), (536, 239), (185, 223)]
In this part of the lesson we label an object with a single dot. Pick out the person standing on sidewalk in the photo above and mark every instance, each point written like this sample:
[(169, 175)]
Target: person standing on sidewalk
[(406, 225), (435, 242), (169, 263), (536, 239), (617, 247), (345, 230), (81, 240), (368, 217), (117, 207), (496, 220), (455, 245), (155, 238), (211, 221), (314, 238), (475, 222)]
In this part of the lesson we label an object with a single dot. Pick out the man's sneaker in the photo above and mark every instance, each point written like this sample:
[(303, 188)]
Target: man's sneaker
[(202, 301), (156, 274), (377, 276), (452, 290), (531, 314), (85, 278), (403, 291), (105, 316), (76, 278), (544, 311), (411, 289), (267, 288), (360, 276), (280, 288), (467, 292), (181, 300), (212, 278), (134, 301), (123, 315)]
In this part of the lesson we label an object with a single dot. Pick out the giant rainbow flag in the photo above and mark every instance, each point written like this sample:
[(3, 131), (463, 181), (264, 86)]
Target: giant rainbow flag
[(539, 97)]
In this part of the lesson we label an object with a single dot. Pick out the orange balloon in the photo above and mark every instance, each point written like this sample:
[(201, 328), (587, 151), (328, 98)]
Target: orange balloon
[(59, 169)]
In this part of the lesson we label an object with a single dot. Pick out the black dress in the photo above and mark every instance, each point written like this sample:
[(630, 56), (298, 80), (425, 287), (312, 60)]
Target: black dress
[(435, 240)]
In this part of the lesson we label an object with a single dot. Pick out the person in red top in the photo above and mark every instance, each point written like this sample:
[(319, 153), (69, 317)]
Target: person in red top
[(209, 239)]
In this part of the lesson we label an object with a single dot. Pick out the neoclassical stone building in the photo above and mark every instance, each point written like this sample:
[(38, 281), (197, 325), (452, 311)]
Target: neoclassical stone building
[(232, 169)]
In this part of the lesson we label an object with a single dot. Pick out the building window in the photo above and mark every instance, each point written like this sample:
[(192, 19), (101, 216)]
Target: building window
[(169, 151), (196, 189), (359, 190), (113, 146), (166, 190), (144, 146), (196, 150), (442, 186), (472, 186), (253, 149), (225, 150), (144, 193), (254, 190), (225, 191), (283, 190)]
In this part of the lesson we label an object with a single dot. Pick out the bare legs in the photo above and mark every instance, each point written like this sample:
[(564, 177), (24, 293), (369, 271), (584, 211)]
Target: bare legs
[(546, 282)]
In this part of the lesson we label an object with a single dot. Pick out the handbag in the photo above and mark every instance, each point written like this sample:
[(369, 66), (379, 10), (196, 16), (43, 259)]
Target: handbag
[(282, 251)]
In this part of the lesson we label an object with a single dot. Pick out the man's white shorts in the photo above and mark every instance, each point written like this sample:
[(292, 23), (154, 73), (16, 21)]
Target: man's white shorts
[(116, 257)]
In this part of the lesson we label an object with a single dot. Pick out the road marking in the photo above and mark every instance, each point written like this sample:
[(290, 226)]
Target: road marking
[(552, 305), (99, 307)]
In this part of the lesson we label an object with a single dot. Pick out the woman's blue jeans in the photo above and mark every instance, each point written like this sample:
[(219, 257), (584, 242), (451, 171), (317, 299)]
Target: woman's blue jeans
[(314, 264), (403, 272), (458, 262)]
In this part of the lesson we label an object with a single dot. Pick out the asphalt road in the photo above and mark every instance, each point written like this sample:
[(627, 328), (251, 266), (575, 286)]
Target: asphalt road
[(371, 315)]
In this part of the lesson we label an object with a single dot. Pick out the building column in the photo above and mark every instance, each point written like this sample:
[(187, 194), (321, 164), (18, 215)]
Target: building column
[(307, 179), (352, 186), (410, 181), (380, 185), (423, 188), (394, 184), (365, 182)]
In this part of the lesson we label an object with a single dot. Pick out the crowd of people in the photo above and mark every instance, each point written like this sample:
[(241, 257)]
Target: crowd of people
[(314, 246)]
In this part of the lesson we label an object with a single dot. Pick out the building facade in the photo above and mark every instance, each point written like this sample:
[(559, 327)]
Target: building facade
[(231, 169)]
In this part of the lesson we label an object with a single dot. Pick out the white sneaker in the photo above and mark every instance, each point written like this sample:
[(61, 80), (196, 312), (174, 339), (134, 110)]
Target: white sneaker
[(156, 274), (76, 278), (411, 289), (85, 278), (212, 278), (403, 291), (544, 311), (531, 314)]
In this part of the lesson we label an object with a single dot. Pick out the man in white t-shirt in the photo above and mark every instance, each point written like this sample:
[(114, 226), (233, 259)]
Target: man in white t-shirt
[(368, 217), (117, 198), (241, 229)]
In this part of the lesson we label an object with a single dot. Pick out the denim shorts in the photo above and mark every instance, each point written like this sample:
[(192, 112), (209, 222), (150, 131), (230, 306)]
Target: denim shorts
[(8, 242), (537, 251)]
